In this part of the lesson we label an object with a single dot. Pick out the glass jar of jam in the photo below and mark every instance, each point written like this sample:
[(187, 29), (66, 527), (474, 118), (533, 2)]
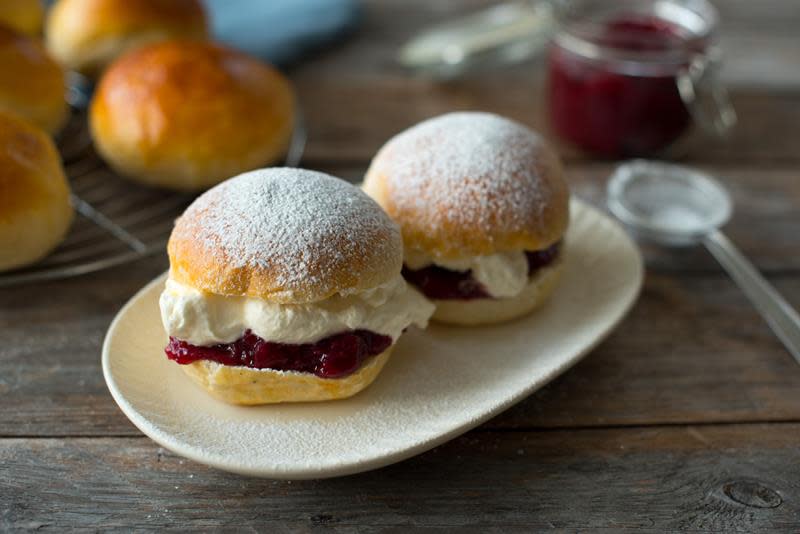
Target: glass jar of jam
[(630, 77)]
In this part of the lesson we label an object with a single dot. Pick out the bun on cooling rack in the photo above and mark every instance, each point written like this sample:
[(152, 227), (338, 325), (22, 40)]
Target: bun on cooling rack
[(25, 16), (35, 211), (187, 115), (87, 35), (31, 83)]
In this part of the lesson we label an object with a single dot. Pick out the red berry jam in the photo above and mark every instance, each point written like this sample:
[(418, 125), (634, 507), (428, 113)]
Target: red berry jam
[(620, 109), (541, 258), (443, 284), (336, 356)]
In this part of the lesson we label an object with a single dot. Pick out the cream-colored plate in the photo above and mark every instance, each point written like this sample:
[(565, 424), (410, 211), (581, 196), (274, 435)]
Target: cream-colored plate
[(438, 383)]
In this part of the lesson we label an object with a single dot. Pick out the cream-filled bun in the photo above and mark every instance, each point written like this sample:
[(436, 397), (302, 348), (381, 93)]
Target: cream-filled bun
[(35, 211), (186, 115), (25, 16), (31, 83), (88, 35), (285, 286), (483, 206)]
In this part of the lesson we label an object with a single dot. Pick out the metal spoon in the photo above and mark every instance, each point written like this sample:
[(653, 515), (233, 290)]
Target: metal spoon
[(679, 206)]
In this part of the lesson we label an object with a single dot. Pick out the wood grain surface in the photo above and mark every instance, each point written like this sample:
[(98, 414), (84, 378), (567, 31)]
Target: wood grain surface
[(686, 418), (743, 478)]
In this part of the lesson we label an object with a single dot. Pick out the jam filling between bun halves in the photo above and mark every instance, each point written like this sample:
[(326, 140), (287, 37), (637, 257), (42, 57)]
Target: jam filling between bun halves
[(336, 356), (443, 284)]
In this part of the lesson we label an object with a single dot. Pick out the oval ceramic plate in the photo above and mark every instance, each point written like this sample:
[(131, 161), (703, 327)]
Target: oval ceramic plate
[(438, 383)]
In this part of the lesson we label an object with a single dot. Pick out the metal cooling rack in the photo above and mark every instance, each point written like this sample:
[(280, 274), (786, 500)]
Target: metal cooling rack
[(117, 221)]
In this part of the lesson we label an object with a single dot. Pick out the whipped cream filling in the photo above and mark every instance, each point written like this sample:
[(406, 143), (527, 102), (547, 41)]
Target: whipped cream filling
[(203, 318), (503, 275)]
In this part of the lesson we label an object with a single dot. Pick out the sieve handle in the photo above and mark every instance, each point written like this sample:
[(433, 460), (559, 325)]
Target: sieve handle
[(778, 313)]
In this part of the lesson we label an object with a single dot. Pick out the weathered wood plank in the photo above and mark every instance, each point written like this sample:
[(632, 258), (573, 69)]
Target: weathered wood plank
[(348, 120), (660, 479), (760, 43), (50, 374), (693, 350)]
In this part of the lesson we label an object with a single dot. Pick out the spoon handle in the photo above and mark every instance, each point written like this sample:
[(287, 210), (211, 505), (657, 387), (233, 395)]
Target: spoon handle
[(778, 313)]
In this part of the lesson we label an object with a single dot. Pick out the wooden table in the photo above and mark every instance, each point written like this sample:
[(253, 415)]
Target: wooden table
[(688, 417)]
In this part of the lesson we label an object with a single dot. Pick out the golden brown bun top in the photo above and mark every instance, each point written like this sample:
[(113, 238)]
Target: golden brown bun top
[(25, 16), (284, 235), (201, 100), (86, 34), (116, 16), (31, 82), (471, 184), (31, 176)]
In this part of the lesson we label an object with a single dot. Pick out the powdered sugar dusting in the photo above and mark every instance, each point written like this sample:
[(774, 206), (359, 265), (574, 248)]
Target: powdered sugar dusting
[(303, 226), (470, 169)]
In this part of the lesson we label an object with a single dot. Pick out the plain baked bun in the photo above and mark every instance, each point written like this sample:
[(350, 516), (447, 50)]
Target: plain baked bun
[(25, 16), (471, 184), (491, 311), (284, 235), (35, 212), (31, 83), (243, 385), (87, 35), (187, 115)]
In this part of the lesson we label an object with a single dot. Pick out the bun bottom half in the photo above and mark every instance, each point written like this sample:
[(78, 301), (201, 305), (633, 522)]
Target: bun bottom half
[(491, 311), (246, 386), (30, 237)]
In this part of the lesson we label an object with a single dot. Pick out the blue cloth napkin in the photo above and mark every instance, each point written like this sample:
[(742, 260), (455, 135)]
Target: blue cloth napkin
[(282, 31)]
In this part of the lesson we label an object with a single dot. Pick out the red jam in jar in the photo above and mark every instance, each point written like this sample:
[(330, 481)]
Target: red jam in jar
[(613, 76)]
